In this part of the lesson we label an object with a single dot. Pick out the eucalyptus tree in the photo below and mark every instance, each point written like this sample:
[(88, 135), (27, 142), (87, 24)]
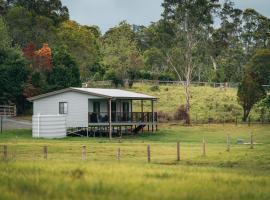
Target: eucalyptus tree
[(192, 21), (256, 31), (226, 48)]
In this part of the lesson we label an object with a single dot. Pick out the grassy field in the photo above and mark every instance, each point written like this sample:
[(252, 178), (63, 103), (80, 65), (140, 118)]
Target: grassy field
[(242, 173), (206, 102)]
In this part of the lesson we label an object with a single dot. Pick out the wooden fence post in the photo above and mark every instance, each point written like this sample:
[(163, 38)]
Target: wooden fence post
[(1, 122), (148, 154), (223, 121), (204, 147), (178, 151), (118, 154), (249, 121), (228, 143), (251, 140), (5, 152), (45, 152), (236, 121), (83, 152)]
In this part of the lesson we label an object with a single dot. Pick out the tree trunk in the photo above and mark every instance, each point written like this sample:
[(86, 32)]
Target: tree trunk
[(246, 114), (214, 63), (187, 94), (188, 72)]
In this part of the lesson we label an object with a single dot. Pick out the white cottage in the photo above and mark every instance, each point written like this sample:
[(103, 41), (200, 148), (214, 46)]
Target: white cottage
[(103, 111)]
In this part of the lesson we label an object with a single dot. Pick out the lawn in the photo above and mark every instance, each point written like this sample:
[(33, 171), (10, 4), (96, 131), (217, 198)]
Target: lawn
[(242, 173)]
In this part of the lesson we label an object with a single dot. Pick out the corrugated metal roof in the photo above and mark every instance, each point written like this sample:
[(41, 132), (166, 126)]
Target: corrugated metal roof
[(115, 93), (100, 92)]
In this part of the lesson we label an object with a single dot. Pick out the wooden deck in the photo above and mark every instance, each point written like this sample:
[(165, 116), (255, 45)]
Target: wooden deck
[(123, 118)]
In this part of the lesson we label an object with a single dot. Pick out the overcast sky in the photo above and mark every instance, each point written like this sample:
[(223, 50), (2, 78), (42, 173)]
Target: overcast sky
[(108, 13)]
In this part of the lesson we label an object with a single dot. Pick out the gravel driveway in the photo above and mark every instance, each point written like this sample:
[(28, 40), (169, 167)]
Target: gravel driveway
[(10, 123)]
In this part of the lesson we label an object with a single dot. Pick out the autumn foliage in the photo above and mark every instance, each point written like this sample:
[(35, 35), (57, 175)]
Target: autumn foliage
[(40, 59)]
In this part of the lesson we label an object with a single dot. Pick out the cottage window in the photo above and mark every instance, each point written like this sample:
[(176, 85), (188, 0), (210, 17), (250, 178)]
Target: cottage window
[(63, 108)]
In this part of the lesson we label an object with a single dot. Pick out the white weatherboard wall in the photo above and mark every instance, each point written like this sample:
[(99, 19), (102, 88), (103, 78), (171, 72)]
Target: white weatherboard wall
[(77, 115), (49, 126)]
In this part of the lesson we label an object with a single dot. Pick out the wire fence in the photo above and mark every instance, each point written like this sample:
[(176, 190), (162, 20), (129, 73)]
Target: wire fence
[(126, 152), (208, 119), (109, 83)]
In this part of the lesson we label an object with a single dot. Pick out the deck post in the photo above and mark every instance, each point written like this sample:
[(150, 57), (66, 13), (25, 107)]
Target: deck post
[(1, 124), (142, 110), (131, 111), (153, 117), (110, 118)]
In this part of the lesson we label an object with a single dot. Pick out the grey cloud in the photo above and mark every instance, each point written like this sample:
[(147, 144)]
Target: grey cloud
[(108, 13)]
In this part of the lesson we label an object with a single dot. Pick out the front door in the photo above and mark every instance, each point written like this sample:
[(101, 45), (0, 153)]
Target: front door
[(125, 111)]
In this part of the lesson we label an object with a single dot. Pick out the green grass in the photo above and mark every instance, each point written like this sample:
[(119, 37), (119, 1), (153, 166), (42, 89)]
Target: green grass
[(206, 102), (242, 173)]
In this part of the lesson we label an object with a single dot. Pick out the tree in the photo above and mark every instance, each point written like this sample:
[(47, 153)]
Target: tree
[(154, 42), (256, 31), (192, 20), (121, 53), (40, 65), (5, 40), (3, 7), (249, 93), (13, 76), (25, 27), (225, 48), (250, 90), (83, 43), (65, 72), (155, 61), (40, 60), (13, 71), (260, 66), (52, 9)]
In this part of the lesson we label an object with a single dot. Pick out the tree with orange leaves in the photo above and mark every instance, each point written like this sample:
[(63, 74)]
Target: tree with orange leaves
[(40, 59), (44, 58)]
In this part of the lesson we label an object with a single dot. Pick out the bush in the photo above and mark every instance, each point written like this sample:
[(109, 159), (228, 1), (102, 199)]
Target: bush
[(154, 88), (112, 75), (181, 113), (164, 117)]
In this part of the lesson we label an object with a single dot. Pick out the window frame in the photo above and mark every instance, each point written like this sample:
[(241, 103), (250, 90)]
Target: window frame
[(62, 110)]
